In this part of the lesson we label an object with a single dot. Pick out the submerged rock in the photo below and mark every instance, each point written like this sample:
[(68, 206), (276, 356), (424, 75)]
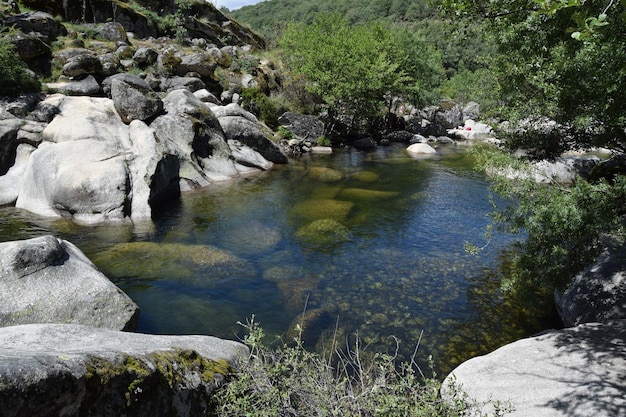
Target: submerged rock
[(48, 280), (175, 261), (323, 232), (324, 174), (323, 208), (365, 194), (71, 370), (252, 237), (309, 326), (366, 176), (296, 290)]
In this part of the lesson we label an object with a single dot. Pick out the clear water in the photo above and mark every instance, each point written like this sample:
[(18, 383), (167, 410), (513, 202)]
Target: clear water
[(373, 246)]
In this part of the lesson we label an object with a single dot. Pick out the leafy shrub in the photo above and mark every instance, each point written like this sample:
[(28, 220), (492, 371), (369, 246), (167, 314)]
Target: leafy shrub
[(14, 76), (284, 133), (323, 141), (290, 381), (262, 106), (466, 86)]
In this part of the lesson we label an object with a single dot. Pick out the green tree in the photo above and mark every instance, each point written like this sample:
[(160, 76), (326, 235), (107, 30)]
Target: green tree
[(14, 76), (357, 70), (563, 60)]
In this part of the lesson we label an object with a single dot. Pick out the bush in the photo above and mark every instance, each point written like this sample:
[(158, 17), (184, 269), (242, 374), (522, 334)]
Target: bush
[(465, 86), (290, 381), (14, 76), (261, 106)]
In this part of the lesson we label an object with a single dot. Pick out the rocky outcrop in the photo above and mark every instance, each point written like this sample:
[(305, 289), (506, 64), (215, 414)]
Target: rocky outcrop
[(563, 170), (302, 126), (48, 280), (242, 126), (576, 372), (93, 167), (598, 294), (472, 130), (73, 370), (203, 20)]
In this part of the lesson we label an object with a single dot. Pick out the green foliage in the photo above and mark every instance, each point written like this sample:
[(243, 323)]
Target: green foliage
[(544, 71), (267, 16), (290, 381), (262, 106), (565, 227), (357, 71), (14, 77), (323, 141), (466, 85), (284, 133)]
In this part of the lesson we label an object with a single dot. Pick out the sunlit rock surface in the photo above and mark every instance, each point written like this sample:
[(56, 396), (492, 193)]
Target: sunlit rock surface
[(576, 372), (48, 280)]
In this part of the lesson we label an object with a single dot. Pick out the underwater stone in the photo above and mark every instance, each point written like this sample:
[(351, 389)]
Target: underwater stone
[(323, 208), (324, 174), (323, 232), (366, 176), (171, 261), (365, 194)]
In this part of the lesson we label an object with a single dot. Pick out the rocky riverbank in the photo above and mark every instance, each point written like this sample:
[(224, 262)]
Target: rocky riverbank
[(576, 371), (130, 119)]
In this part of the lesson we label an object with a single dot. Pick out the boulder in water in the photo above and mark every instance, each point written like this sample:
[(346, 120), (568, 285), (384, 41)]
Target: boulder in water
[(48, 280)]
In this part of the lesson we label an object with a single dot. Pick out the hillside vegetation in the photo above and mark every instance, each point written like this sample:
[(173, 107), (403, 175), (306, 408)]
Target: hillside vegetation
[(465, 49), (274, 12)]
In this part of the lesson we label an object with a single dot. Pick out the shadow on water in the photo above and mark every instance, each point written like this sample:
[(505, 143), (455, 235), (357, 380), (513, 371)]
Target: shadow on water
[(371, 241)]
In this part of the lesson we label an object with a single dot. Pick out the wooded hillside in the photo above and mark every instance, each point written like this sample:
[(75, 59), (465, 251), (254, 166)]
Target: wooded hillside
[(270, 13)]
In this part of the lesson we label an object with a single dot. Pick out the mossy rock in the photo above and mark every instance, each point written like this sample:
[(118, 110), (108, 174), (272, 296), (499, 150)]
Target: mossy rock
[(323, 232), (366, 176), (324, 174), (195, 264), (323, 208), (365, 194), (325, 191)]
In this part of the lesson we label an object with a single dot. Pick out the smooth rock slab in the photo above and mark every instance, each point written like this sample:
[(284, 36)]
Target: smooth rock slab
[(48, 280), (576, 372), (72, 370)]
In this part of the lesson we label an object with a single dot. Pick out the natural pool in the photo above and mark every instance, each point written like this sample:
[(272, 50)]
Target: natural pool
[(371, 243)]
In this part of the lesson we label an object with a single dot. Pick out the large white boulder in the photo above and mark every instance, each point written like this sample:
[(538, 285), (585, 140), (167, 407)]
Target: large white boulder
[(48, 280), (575, 372), (421, 149)]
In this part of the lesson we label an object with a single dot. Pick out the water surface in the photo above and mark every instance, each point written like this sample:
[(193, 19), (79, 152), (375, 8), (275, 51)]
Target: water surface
[(368, 243)]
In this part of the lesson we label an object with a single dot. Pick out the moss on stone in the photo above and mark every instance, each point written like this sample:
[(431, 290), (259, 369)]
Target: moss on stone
[(323, 208), (323, 232), (174, 368), (365, 194), (324, 174), (366, 176)]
